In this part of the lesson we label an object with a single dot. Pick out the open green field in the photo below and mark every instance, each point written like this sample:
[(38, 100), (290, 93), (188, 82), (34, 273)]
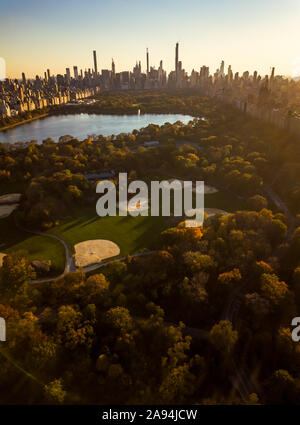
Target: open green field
[(131, 233), (38, 247), (224, 201)]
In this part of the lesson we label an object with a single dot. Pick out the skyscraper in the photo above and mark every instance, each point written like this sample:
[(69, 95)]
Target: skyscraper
[(272, 78), (222, 69), (75, 72), (147, 57), (68, 74), (176, 59), (95, 63), (273, 72), (113, 69)]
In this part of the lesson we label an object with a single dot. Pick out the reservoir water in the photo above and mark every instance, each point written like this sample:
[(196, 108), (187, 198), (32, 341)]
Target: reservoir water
[(82, 125)]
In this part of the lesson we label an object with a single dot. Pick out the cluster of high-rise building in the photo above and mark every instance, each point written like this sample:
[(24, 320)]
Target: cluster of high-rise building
[(18, 96)]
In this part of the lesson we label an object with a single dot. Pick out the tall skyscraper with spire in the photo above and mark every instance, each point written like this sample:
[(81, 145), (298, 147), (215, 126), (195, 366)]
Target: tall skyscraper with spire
[(147, 58), (113, 68), (222, 69), (176, 63), (95, 62)]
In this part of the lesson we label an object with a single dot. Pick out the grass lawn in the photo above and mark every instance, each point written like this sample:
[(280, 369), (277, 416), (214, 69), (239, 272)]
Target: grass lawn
[(224, 201), (130, 233), (38, 247)]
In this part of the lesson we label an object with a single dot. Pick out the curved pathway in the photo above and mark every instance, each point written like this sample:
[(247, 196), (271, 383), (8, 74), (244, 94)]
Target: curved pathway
[(70, 264), (69, 261)]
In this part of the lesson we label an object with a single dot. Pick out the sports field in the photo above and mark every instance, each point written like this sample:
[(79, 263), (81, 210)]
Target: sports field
[(131, 234)]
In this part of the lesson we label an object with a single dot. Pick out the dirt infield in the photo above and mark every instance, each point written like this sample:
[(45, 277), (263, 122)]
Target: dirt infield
[(8, 203), (10, 198), (2, 255), (94, 251), (6, 210), (214, 211), (209, 189), (142, 206)]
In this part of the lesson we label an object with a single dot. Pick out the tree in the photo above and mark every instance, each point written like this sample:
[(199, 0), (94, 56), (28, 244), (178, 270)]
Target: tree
[(197, 261), (272, 289), (223, 337), (119, 318), (177, 386), (258, 202), (54, 392), (96, 289), (74, 192), (228, 280), (278, 231), (193, 290), (281, 388), (73, 331), (15, 273)]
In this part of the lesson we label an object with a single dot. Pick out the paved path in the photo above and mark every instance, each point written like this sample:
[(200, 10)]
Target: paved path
[(70, 264), (97, 266), (69, 261)]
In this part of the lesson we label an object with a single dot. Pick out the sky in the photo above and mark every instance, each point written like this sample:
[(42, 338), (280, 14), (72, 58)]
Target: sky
[(247, 34)]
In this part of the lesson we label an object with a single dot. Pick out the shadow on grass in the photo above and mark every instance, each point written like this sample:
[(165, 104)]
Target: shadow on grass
[(9, 234)]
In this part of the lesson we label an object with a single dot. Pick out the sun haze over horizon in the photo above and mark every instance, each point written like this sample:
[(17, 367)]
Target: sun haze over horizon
[(248, 35)]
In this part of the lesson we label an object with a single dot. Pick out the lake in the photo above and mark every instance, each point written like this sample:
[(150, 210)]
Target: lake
[(81, 125)]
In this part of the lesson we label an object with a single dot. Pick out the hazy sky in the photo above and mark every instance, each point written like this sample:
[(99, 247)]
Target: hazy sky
[(55, 34)]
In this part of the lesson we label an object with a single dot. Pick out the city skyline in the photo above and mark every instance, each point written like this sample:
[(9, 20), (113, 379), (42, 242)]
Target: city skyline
[(17, 97), (265, 34), (74, 71)]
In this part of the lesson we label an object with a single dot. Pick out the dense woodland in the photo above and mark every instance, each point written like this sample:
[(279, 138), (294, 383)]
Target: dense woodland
[(159, 328)]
